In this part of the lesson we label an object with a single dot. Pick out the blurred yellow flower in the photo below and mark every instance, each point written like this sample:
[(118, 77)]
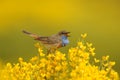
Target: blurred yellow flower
[(84, 35), (105, 58), (20, 59), (34, 59), (89, 44), (111, 63), (58, 68), (78, 64), (96, 60)]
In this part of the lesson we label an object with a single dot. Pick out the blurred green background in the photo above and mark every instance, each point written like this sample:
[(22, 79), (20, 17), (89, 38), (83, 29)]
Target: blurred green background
[(99, 18)]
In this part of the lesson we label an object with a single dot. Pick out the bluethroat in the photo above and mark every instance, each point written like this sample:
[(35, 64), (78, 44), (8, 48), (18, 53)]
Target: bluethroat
[(52, 42)]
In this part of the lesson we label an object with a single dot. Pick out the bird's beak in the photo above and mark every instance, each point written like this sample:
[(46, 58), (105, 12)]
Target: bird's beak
[(68, 34)]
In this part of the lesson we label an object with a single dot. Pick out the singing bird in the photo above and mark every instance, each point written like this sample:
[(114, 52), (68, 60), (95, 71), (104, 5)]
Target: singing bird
[(52, 42)]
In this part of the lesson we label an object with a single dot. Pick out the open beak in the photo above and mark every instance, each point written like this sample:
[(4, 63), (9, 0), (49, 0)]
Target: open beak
[(68, 34)]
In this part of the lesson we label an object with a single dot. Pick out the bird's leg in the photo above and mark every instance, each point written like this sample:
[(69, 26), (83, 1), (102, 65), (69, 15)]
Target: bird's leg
[(51, 50), (55, 50), (48, 51)]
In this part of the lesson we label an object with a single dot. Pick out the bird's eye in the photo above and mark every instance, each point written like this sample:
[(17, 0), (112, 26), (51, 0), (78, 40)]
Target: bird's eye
[(62, 32)]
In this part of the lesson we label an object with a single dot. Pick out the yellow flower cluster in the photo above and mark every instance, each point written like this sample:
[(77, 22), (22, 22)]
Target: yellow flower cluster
[(78, 64)]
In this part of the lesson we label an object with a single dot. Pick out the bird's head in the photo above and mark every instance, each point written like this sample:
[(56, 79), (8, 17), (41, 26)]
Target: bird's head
[(64, 33)]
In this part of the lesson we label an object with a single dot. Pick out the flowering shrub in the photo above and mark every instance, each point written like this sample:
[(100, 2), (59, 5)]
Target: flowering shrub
[(78, 64)]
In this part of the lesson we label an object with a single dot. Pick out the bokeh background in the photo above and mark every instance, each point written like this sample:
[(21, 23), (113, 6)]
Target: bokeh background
[(99, 18)]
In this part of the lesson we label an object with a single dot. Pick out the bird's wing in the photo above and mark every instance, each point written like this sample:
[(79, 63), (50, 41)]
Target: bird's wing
[(49, 40), (43, 39), (55, 39)]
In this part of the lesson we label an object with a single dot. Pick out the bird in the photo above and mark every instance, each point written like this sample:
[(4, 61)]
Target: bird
[(53, 42)]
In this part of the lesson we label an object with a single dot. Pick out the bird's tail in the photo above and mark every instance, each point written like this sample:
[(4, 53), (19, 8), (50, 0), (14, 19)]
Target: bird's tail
[(35, 36), (26, 32)]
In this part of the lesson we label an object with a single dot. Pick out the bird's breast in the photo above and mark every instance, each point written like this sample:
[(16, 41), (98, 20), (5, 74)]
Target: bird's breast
[(65, 42)]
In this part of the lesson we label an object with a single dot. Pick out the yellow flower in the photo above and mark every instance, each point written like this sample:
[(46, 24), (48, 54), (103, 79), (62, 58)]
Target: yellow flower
[(59, 56), (89, 44), (73, 73), (49, 68), (58, 68), (77, 64), (48, 74), (43, 62), (103, 72), (64, 63), (37, 45), (20, 59), (80, 44), (114, 75), (84, 35), (42, 73), (105, 58), (34, 59), (96, 60), (111, 63), (50, 56), (9, 65), (40, 50), (42, 54), (105, 64), (92, 51)]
